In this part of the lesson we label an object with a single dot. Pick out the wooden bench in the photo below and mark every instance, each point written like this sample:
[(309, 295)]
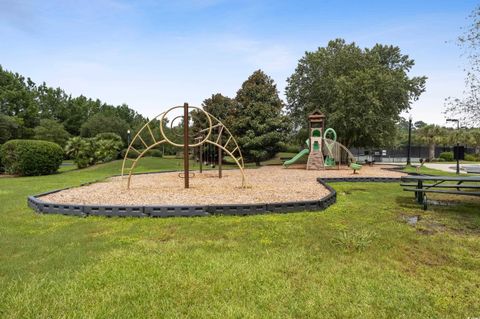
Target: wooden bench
[(437, 185)]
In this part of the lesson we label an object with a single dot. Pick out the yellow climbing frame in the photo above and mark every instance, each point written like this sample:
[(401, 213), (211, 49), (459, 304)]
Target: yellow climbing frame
[(148, 141)]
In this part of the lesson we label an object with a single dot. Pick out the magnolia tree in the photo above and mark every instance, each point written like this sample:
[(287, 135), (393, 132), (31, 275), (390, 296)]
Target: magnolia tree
[(258, 122)]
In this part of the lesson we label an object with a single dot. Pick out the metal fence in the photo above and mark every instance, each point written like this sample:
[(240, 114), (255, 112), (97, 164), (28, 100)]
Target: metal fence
[(399, 155)]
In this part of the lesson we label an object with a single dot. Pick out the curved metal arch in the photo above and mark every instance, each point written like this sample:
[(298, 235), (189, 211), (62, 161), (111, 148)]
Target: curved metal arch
[(234, 158), (340, 145), (234, 140), (238, 160), (130, 146), (139, 157)]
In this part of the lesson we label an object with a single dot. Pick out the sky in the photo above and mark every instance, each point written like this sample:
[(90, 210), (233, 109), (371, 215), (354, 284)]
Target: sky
[(156, 54)]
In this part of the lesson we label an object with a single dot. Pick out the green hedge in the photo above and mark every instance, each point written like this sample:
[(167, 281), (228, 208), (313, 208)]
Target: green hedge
[(150, 153), (31, 157), (447, 156), (470, 157)]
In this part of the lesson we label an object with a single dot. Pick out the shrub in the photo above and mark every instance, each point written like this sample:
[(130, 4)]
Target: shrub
[(131, 154), (107, 146), (154, 153), (82, 151), (108, 136), (447, 156), (31, 157), (470, 157), (106, 150)]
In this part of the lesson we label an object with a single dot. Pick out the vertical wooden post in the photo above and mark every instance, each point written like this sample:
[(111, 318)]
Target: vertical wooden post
[(201, 157), (220, 153), (185, 145)]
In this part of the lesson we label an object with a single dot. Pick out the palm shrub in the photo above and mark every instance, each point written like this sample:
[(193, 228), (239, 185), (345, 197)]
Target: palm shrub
[(31, 157), (430, 135), (447, 156), (107, 146), (82, 151), (104, 147)]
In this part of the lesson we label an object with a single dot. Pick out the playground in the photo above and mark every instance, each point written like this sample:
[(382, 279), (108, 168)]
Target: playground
[(292, 186), (339, 233), (266, 185)]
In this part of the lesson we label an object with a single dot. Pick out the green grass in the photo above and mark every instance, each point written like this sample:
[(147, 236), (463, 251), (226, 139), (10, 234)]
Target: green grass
[(277, 159), (357, 259), (432, 171)]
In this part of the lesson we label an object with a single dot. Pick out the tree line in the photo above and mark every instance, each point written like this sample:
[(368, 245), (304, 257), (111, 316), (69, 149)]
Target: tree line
[(433, 135), (31, 111), (362, 92)]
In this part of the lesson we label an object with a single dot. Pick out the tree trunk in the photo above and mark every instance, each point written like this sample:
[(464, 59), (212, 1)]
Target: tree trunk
[(431, 151)]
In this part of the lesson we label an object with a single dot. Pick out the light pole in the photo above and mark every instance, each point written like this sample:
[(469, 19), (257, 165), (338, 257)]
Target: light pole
[(458, 144), (128, 137), (409, 161)]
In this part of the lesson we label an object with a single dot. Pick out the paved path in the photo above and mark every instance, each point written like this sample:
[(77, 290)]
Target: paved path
[(449, 167)]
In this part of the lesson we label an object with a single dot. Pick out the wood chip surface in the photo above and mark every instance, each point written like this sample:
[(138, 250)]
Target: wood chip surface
[(267, 184)]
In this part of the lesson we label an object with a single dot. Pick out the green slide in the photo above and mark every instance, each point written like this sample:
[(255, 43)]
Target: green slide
[(298, 156)]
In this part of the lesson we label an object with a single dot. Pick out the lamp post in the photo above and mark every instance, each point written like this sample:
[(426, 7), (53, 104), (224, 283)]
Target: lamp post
[(128, 137), (458, 144), (409, 161)]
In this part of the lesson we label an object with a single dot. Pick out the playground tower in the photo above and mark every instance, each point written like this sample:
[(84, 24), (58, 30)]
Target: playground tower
[(316, 126)]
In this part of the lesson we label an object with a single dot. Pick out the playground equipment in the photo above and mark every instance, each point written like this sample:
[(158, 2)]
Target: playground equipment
[(323, 150), (223, 140)]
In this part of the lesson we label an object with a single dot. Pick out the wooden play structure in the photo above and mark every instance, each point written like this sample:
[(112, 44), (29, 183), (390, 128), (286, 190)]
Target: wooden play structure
[(215, 135)]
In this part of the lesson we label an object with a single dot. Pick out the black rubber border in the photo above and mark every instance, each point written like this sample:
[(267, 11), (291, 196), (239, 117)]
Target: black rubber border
[(43, 207)]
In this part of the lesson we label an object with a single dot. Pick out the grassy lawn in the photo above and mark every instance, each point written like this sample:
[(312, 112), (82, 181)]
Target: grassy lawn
[(432, 171), (277, 159), (357, 259)]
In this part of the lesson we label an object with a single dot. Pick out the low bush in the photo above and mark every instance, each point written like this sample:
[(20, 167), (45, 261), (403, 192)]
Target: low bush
[(155, 153), (447, 156), (131, 154), (134, 155), (107, 146), (31, 157), (104, 147), (470, 157), (82, 151)]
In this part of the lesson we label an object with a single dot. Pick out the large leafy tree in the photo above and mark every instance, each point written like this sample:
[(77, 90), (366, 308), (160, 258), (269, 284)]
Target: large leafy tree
[(258, 123), (17, 98), (467, 108), (104, 123), (361, 91), (50, 130), (220, 106), (9, 128)]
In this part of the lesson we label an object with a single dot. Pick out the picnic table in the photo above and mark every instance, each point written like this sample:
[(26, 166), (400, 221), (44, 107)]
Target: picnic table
[(423, 184)]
